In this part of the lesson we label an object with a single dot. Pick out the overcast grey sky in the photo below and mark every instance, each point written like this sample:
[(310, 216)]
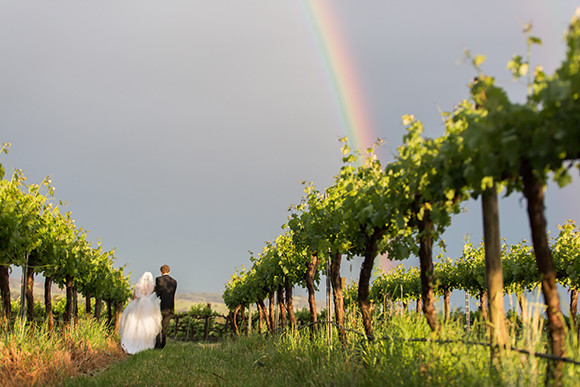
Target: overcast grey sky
[(178, 131)]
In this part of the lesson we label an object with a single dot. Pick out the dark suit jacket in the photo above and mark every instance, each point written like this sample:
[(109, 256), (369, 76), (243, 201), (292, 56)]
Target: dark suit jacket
[(165, 287)]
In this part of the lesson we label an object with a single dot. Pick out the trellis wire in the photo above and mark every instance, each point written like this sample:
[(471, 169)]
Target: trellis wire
[(546, 356)]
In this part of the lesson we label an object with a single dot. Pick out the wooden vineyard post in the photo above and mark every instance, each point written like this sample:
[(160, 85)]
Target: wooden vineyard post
[(30, 287), (328, 301), (98, 306), (281, 307), (574, 306), (176, 326), (5, 291), (206, 330), (249, 318), (48, 302), (275, 301), (261, 312), (467, 317), (109, 308), (117, 316), (243, 321), (271, 311), (493, 270), (23, 283), (88, 309), (228, 323), (76, 308)]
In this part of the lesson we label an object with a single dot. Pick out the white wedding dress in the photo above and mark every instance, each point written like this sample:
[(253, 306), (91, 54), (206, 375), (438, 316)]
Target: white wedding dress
[(141, 319)]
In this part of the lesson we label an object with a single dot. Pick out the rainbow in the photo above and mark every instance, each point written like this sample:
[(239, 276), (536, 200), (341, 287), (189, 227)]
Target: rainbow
[(343, 81), (341, 74)]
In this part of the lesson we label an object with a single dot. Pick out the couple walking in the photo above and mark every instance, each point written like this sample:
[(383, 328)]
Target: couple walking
[(146, 318)]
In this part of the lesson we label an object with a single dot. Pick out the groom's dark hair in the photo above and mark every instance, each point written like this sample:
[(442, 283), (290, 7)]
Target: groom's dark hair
[(165, 269)]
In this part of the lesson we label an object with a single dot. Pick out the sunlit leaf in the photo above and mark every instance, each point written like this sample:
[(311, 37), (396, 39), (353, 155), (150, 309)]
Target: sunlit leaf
[(478, 60)]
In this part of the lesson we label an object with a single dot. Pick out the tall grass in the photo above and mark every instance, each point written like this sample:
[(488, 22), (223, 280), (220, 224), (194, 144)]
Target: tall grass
[(391, 359), (394, 358), (32, 355)]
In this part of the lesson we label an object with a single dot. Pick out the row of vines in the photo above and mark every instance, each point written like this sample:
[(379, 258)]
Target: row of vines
[(467, 274), (36, 236), (402, 209)]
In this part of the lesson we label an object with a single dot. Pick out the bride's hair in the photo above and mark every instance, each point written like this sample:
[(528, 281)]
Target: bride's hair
[(145, 285)]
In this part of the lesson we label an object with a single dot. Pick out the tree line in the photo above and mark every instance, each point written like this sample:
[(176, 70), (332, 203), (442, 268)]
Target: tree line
[(38, 237)]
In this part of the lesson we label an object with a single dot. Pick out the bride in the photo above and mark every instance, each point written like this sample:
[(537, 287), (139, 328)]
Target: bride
[(141, 319)]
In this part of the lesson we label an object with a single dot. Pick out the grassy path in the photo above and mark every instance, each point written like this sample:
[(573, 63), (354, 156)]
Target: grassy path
[(184, 364), (178, 364), (247, 362)]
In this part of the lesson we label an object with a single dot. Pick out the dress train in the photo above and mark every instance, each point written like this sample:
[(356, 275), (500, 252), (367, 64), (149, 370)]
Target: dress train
[(141, 320)]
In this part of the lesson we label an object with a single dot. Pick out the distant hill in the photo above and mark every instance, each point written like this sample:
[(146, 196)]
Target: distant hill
[(56, 291), (38, 288), (200, 297), (184, 301)]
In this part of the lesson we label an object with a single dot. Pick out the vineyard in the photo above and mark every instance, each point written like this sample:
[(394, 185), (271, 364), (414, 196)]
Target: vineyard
[(401, 209), (367, 330), (36, 236)]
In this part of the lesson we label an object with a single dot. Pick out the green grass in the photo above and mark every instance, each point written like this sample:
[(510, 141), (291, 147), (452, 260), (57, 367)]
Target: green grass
[(295, 360)]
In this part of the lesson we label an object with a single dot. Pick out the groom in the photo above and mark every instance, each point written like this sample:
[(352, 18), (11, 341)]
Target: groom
[(165, 287)]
